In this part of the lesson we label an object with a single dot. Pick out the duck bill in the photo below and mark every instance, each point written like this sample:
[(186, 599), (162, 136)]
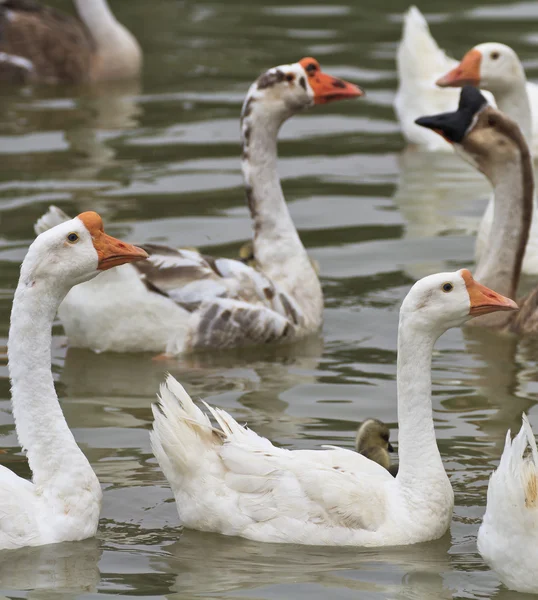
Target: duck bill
[(483, 300), (112, 252), (327, 88), (466, 73)]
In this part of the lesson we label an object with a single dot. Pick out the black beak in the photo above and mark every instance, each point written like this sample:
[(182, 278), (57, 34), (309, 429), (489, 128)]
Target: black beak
[(453, 126), (390, 448)]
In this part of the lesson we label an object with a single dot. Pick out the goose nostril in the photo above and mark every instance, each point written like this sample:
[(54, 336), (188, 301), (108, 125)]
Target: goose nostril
[(338, 84)]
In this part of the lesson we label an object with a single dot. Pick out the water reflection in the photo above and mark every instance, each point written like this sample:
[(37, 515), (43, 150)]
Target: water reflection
[(251, 382), (501, 384), (49, 571), (105, 113), (203, 566)]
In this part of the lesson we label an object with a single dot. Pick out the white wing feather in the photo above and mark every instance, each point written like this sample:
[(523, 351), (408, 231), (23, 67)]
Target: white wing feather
[(231, 304), (18, 504), (236, 482)]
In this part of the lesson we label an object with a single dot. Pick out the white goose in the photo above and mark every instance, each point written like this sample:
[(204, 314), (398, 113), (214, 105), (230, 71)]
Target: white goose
[(63, 500), (496, 67), (42, 45), (230, 480), (421, 66), (508, 535), (181, 300)]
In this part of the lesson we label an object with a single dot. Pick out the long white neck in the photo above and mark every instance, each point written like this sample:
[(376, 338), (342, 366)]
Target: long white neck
[(418, 454), (277, 246), (514, 101), (118, 54), (40, 424)]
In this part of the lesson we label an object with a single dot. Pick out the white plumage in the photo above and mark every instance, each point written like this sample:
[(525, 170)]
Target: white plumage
[(229, 480), (420, 63), (63, 500), (508, 536)]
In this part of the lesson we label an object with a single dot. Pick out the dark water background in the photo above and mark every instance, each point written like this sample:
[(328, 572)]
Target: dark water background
[(160, 162)]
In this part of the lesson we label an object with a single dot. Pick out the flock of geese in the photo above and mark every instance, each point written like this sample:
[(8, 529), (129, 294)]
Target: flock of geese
[(114, 296)]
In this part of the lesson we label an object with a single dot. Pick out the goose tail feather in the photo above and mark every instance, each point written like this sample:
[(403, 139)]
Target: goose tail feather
[(182, 434), (54, 216)]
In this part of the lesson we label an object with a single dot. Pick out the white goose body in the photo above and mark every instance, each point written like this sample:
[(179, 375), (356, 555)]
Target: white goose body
[(63, 500), (180, 300), (508, 535), (231, 481)]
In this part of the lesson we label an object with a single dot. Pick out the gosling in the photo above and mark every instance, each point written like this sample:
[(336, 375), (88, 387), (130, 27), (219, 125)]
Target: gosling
[(372, 441)]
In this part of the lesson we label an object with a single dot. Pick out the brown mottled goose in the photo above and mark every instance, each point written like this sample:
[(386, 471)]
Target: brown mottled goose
[(39, 44), (182, 300), (494, 144)]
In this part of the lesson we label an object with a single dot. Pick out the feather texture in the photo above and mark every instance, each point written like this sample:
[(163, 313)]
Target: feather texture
[(508, 538), (239, 483), (57, 46), (180, 300), (39, 44)]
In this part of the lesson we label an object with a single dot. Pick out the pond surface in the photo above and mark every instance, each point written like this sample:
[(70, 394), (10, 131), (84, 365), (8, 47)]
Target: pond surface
[(160, 162)]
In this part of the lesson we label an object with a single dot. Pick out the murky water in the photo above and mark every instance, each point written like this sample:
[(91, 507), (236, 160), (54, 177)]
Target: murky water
[(160, 161)]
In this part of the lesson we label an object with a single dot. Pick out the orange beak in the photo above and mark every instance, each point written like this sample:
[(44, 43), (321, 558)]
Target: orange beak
[(113, 252), (484, 300), (325, 87), (110, 251), (466, 73)]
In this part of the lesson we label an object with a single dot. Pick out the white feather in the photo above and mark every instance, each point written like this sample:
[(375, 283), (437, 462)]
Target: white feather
[(508, 535)]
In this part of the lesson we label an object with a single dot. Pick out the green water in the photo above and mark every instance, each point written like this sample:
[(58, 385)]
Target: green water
[(160, 162)]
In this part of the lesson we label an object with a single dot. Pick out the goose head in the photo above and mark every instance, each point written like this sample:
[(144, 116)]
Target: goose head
[(481, 134), (444, 300), (285, 90), (73, 252), (491, 66)]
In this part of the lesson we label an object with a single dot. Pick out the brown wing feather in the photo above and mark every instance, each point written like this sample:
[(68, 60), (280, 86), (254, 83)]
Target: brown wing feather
[(58, 45), (227, 323), (170, 278)]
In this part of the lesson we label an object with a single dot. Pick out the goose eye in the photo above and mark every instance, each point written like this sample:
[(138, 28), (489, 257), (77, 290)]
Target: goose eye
[(290, 77), (447, 287), (491, 122), (72, 237), (494, 55)]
